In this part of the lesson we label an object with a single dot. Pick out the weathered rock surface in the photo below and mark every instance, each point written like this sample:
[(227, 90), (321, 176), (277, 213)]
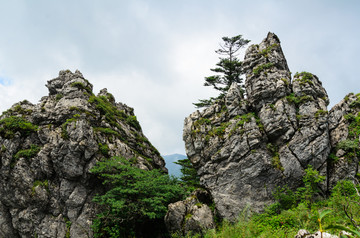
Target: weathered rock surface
[(244, 148), (192, 215), (306, 234), (47, 150)]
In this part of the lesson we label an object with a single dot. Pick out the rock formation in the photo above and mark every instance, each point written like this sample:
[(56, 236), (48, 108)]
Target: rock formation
[(243, 148), (47, 150), (190, 216)]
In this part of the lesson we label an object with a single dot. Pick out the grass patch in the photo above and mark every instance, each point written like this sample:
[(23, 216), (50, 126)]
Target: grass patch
[(28, 153), (297, 100), (265, 52), (81, 86), (320, 113)]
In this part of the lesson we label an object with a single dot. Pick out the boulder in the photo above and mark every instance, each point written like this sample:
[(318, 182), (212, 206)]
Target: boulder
[(191, 216)]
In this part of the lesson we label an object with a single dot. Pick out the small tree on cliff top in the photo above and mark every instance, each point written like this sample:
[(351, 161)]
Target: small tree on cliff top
[(229, 69)]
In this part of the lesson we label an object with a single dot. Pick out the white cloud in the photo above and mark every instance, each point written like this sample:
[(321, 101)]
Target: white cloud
[(154, 56)]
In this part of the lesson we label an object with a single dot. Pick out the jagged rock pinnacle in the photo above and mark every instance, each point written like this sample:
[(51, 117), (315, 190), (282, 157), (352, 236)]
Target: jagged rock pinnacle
[(48, 150), (244, 148)]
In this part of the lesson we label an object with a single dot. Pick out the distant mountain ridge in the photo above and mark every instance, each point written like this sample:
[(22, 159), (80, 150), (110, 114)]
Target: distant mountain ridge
[(174, 169)]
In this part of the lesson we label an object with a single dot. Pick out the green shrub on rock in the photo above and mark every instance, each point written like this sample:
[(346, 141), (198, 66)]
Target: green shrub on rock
[(10, 125), (134, 200)]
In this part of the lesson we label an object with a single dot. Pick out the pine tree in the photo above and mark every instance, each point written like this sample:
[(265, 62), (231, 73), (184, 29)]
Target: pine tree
[(229, 69), (189, 177)]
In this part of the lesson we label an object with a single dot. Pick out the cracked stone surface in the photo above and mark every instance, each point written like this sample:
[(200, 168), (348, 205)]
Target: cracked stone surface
[(49, 194), (243, 148)]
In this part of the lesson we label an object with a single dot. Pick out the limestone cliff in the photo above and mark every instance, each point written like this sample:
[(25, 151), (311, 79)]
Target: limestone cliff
[(243, 148), (47, 150)]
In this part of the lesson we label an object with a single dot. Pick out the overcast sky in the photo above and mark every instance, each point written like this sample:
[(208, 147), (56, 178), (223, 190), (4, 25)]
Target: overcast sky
[(154, 55)]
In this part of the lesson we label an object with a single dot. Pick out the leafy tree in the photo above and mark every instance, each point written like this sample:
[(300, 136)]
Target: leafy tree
[(229, 68), (189, 176), (311, 180), (135, 200)]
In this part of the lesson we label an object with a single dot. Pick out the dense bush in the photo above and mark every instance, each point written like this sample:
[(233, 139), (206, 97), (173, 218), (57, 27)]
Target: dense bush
[(189, 177), (292, 212), (135, 201), (10, 125)]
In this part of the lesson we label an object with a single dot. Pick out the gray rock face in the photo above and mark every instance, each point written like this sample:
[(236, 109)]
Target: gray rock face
[(47, 150), (344, 134), (244, 148), (192, 215)]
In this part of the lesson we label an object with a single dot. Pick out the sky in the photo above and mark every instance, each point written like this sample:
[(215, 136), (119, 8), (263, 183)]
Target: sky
[(154, 55)]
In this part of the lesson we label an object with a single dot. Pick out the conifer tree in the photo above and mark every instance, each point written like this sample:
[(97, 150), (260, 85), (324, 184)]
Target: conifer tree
[(229, 69)]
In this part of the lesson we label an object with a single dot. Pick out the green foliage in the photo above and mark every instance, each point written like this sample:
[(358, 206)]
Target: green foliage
[(58, 96), (268, 49), (348, 145), (304, 78), (320, 113), (64, 132), (132, 121), (10, 125), (18, 109), (356, 103), (107, 131), (285, 199), (189, 178), (245, 118), (202, 121), (133, 199), (262, 67), (28, 153), (68, 227), (104, 149), (333, 158), (272, 106), (113, 115), (297, 100), (80, 85), (341, 211), (351, 144), (286, 81), (207, 102), (311, 180), (220, 130), (44, 184), (276, 156), (229, 69)]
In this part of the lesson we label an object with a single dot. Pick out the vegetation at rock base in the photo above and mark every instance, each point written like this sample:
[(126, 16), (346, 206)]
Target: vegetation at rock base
[(229, 69), (135, 200), (293, 211), (189, 178)]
